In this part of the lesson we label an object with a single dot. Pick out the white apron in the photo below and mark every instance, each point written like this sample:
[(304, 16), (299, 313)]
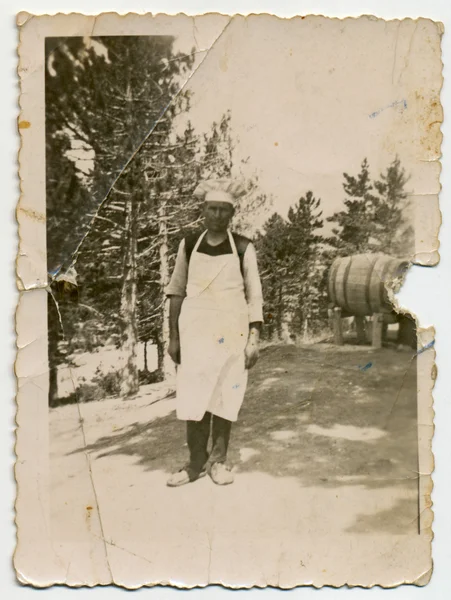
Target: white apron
[(213, 328)]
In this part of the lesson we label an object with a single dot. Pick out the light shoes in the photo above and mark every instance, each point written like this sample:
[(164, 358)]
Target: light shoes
[(220, 474), (183, 477)]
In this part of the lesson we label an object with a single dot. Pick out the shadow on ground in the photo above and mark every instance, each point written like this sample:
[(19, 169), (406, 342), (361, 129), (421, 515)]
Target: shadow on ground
[(399, 518), (328, 416)]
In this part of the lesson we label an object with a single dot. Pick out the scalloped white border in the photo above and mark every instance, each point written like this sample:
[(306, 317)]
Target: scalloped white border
[(28, 212)]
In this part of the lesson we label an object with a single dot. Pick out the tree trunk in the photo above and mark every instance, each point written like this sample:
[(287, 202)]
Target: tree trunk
[(160, 354), (165, 363), (130, 377), (305, 330), (279, 313), (145, 357), (130, 373)]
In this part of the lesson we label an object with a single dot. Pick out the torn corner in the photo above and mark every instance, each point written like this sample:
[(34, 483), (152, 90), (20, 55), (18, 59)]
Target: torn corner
[(424, 578), (424, 258), (22, 18)]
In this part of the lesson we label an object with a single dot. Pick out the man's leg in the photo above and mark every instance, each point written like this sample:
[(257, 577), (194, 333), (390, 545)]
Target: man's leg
[(219, 472), (220, 438), (197, 434)]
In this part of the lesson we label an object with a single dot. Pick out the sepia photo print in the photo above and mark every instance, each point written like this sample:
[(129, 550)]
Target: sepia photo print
[(228, 390)]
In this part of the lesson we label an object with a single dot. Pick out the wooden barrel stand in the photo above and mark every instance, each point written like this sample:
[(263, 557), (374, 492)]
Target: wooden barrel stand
[(357, 288), (378, 328)]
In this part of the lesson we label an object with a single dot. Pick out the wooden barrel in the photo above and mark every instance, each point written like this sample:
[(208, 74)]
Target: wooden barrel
[(357, 283)]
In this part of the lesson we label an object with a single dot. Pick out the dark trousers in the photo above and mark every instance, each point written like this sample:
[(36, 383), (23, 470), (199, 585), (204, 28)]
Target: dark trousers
[(198, 433)]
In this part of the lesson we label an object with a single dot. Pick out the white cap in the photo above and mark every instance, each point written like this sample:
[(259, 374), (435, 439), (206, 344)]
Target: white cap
[(220, 190)]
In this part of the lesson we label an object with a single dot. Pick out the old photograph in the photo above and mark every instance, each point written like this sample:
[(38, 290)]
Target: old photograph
[(216, 215)]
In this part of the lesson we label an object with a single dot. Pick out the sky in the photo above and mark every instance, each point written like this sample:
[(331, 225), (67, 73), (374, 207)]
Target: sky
[(310, 99)]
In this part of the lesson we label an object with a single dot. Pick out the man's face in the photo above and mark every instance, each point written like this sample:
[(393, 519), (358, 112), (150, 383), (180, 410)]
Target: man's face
[(217, 215)]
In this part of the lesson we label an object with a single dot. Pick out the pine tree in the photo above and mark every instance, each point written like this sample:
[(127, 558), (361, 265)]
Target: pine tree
[(274, 263), (374, 218), (355, 224), (304, 245), (291, 264), (107, 102), (393, 233)]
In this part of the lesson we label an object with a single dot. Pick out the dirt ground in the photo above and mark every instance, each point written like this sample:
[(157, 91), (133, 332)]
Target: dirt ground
[(325, 449)]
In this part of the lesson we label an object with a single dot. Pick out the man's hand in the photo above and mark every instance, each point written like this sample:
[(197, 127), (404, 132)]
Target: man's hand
[(174, 349), (251, 354)]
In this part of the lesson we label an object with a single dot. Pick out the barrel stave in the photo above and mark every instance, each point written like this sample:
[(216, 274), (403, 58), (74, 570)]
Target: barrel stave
[(357, 283)]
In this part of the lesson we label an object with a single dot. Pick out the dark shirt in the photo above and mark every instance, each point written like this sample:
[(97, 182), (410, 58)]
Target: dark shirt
[(224, 247), (248, 262)]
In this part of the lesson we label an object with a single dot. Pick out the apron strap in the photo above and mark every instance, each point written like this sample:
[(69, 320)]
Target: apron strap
[(197, 244), (232, 243), (194, 250)]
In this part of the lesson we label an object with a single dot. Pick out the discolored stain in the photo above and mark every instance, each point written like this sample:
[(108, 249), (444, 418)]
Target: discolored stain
[(33, 214), (434, 372), (24, 124), (433, 123)]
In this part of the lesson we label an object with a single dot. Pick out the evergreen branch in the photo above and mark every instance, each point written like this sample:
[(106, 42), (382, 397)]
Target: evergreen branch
[(97, 216)]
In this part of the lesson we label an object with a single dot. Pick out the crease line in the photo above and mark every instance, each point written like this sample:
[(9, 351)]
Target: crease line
[(140, 145)]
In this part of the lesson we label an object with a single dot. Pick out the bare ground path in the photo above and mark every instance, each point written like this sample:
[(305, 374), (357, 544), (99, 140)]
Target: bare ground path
[(325, 449)]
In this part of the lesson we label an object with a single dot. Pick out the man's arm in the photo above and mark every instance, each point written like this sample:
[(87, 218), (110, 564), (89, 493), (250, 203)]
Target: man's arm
[(253, 290), (175, 306), (176, 291)]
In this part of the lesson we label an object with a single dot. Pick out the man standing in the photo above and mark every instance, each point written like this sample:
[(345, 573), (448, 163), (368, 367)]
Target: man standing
[(215, 320)]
